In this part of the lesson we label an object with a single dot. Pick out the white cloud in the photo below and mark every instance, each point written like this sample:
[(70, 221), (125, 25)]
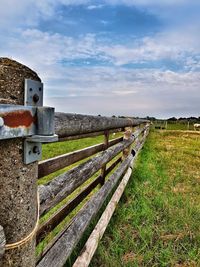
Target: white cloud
[(91, 7), (149, 2), (103, 90), (30, 12), (50, 48), (179, 47), (171, 45), (120, 91)]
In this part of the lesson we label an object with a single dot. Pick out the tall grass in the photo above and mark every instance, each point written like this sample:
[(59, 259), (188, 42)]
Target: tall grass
[(157, 221)]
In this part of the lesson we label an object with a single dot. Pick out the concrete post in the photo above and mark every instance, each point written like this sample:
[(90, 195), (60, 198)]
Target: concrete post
[(18, 182)]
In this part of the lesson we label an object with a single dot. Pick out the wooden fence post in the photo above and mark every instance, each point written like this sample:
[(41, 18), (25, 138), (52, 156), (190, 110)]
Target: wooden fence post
[(18, 182), (103, 169), (127, 136), (188, 125)]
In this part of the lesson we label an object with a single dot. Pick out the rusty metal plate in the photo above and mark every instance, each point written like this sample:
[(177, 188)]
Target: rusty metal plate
[(21, 121), (17, 121)]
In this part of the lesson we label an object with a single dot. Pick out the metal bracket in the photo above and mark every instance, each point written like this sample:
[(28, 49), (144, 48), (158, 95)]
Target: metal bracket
[(33, 93), (33, 147), (32, 121), (32, 152)]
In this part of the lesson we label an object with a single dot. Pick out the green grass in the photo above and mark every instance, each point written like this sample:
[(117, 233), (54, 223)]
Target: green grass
[(175, 125), (157, 220), (55, 149), (59, 148)]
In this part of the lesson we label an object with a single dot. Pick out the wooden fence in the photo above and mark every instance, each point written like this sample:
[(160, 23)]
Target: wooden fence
[(105, 171)]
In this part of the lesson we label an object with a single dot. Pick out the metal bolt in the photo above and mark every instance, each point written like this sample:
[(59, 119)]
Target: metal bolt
[(36, 150), (36, 98), (1, 122)]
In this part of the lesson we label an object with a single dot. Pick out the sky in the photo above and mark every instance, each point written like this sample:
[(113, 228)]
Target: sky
[(110, 57)]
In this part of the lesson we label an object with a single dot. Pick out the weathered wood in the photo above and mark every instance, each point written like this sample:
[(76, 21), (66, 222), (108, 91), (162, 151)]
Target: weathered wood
[(115, 141), (56, 218), (61, 250), (2, 242), (18, 182), (75, 124), (54, 240), (57, 189), (91, 245), (80, 136), (111, 167), (137, 147), (51, 165), (106, 145), (127, 136)]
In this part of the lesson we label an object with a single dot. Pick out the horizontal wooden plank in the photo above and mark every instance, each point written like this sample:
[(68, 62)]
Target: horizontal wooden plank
[(61, 250), (115, 141), (57, 189), (75, 124), (51, 165), (56, 218), (80, 136), (111, 167)]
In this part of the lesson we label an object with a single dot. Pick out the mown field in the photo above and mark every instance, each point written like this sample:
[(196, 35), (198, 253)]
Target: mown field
[(157, 220)]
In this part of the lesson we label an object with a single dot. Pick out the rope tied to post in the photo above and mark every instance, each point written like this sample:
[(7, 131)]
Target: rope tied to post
[(31, 234)]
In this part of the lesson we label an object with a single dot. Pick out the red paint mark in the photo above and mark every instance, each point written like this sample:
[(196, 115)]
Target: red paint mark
[(19, 118)]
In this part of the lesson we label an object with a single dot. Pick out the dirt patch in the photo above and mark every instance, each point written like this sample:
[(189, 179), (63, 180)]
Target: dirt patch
[(132, 257)]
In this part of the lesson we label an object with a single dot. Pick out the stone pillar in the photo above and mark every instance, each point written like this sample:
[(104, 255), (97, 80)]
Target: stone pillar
[(18, 182)]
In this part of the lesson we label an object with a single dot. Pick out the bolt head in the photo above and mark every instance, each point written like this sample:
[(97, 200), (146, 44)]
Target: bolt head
[(1, 122), (36, 98)]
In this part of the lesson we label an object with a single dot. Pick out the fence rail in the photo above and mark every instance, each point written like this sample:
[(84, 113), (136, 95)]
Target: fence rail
[(67, 125), (51, 165), (89, 184)]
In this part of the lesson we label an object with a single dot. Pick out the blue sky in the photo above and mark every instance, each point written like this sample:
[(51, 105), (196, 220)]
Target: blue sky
[(111, 57)]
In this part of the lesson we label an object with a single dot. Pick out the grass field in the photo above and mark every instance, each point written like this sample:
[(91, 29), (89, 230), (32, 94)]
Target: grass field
[(157, 222), (175, 125)]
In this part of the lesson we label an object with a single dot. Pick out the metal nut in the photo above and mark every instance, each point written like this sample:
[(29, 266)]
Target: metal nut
[(36, 150)]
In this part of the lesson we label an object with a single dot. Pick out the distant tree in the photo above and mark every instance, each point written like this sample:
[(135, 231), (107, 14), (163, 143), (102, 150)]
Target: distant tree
[(122, 117), (150, 118), (172, 119), (193, 119), (182, 119)]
